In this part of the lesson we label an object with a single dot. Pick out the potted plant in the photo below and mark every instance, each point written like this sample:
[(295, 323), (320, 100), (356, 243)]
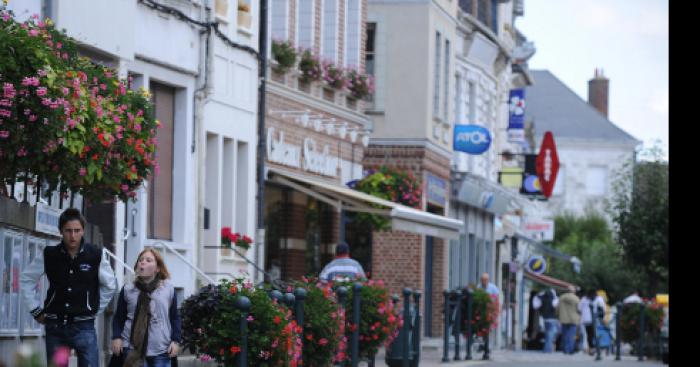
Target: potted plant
[(244, 17), (284, 55), (359, 85), (229, 239), (210, 326), (309, 67), (333, 75)]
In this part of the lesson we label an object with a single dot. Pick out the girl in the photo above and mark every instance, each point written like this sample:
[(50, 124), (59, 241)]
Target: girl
[(146, 326)]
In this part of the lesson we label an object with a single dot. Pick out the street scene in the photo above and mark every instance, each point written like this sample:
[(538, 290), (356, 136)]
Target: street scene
[(334, 183)]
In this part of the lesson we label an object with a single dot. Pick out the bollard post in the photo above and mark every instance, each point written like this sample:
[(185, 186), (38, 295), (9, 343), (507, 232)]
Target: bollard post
[(356, 302), (594, 316), (487, 350), (468, 296), (276, 295), (288, 300), (640, 343), (457, 327), (406, 324), (446, 333), (299, 297), (243, 304), (416, 327), (618, 334)]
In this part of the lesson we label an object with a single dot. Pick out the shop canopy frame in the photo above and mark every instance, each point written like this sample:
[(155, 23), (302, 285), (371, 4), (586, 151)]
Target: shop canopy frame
[(548, 281), (402, 217)]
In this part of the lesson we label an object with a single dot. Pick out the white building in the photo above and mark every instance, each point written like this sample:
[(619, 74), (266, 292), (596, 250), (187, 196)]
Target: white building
[(204, 86), (591, 148)]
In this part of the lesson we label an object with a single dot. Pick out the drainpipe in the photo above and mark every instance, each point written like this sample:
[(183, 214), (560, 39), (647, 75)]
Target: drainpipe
[(260, 235), (201, 98)]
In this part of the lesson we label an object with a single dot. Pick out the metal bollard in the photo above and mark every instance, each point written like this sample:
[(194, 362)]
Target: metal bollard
[(468, 296), (289, 300), (416, 328), (640, 344), (487, 350), (342, 293), (618, 334), (356, 302), (243, 304), (276, 295), (299, 297), (446, 333), (457, 327), (406, 324)]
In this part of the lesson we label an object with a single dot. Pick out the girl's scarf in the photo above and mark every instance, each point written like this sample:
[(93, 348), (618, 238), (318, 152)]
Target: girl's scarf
[(139, 326)]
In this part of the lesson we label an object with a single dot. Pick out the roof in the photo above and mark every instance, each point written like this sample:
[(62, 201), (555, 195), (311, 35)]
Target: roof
[(554, 107)]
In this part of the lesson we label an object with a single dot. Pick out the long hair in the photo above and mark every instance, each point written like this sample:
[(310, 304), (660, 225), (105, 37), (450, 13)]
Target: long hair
[(163, 270)]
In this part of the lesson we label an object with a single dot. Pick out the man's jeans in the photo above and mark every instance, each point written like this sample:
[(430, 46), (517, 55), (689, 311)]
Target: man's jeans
[(79, 335), (551, 327), (569, 334)]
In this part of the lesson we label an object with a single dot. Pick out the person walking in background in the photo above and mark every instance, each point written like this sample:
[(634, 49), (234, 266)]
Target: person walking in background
[(587, 319), (489, 287), (635, 297), (567, 311), (546, 302), (146, 329), (342, 266), (81, 285)]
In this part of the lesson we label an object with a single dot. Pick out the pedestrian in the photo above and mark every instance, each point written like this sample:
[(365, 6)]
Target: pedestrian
[(587, 318), (489, 287), (546, 302), (146, 328), (342, 267), (634, 297), (81, 285), (567, 311)]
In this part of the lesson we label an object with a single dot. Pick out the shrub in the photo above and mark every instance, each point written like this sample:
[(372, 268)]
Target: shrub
[(309, 66), (485, 309), (629, 321)]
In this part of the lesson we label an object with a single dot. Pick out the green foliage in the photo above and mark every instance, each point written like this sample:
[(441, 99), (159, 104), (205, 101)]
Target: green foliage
[(640, 213), (211, 319), (324, 324), (380, 319), (630, 321), (284, 53), (389, 184), (590, 239)]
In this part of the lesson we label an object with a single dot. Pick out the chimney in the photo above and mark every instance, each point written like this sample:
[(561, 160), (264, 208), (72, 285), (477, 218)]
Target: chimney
[(598, 92)]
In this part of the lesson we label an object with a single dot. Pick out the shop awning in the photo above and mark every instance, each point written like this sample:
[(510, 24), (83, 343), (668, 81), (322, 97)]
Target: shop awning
[(402, 217), (548, 281)]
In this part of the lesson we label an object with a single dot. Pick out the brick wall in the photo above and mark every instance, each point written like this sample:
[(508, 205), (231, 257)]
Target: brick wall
[(397, 259), (439, 285)]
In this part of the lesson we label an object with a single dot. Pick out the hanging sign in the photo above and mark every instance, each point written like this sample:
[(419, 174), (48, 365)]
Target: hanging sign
[(472, 139)]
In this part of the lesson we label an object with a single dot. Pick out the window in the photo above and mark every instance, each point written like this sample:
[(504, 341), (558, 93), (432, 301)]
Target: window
[(35, 246), (458, 99), (596, 181), (482, 11), (447, 81), (305, 24), (467, 6), (560, 183), (160, 187), (329, 38), (436, 92), (279, 19), (459, 271), (353, 32), (472, 259), (494, 16), (369, 48), (9, 294)]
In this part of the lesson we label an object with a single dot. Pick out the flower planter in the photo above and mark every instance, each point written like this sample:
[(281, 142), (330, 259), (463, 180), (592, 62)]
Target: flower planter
[(244, 19), (351, 103), (329, 94), (304, 85), (276, 76)]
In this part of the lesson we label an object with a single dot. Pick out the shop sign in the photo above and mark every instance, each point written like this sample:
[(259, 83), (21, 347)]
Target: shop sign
[(308, 157), (516, 119), (472, 139), (547, 164), (46, 220), (540, 229), (437, 190), (537, 264)]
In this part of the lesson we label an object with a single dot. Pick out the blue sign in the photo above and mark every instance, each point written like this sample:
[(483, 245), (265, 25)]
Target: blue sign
[(516, 106), (537, 264), (472, 139), (437, 190)]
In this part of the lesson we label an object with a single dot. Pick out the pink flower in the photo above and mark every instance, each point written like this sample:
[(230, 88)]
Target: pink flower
[(65, 91), (21, 152), (250, 318), (83, 171), (9, 90), (5, 113), (5, 17), (116, 119), (32, 118), (205, 358), (33, 33), (61, 356), (41, 91), (4, 134), (124, 187), (58, 45), (323, 341)]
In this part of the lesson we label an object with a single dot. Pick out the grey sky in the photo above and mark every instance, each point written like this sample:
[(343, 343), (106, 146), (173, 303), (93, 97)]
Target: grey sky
[(628, 39)]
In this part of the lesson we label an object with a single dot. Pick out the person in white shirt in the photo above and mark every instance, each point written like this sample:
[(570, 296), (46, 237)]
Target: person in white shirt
[(546, 303), (633, 298)]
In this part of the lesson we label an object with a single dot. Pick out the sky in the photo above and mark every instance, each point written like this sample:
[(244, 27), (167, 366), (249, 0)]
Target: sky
[(628, 39)]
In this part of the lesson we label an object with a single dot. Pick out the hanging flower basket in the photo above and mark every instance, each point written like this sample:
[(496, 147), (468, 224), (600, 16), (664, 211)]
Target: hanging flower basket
[(66, 121), (485, 309)]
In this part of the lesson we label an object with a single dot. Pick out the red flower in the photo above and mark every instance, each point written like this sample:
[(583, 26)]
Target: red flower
[(277, 320), (234, 349), (225, 232), (309, 337)]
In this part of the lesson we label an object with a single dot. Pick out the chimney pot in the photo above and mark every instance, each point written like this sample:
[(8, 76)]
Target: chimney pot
[(598, 89)]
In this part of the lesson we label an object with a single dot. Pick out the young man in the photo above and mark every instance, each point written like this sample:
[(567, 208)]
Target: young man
[(342, 266), (546, 302), (81, 284)]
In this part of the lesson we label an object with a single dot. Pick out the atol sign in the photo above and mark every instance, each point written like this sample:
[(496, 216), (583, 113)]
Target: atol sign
[(547, 164), (537, 264), (472, 139)]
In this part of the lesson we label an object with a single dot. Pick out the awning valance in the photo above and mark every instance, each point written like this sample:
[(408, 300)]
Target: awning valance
[(548, 281), (402, 217)]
